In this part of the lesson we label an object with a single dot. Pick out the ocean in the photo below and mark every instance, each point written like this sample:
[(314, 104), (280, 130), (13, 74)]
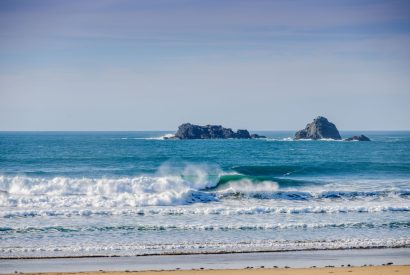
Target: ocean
[(65, 194)]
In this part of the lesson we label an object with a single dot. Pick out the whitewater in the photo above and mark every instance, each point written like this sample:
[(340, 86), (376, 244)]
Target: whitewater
[(135, 193)]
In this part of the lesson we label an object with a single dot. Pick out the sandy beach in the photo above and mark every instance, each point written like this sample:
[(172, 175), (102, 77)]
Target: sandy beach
[(301, 262), (382, 270)]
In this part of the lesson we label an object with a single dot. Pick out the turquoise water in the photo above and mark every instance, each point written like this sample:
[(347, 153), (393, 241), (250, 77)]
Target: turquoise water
[(133, 193)]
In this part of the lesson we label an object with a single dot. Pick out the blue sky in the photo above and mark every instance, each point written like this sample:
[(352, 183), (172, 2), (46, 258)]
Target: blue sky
[(152, 65)]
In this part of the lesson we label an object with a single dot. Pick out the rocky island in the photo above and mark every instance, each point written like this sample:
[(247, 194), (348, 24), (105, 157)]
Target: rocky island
[(358, 138), (192, 131), (321, 128), (318, 129)]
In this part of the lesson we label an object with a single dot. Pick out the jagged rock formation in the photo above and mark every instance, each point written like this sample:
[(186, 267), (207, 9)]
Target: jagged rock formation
[(318, 129), (358, 138), (191, 131)]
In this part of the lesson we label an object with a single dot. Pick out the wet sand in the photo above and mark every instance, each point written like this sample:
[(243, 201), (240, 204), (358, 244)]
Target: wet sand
[(369, 270), (233, 261)]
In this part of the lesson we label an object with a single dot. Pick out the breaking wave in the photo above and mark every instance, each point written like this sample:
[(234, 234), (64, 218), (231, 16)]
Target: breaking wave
[(192, 186), (100, 192)]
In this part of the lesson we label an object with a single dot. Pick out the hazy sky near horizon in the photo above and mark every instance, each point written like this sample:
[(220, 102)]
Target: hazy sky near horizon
[(154, 64)]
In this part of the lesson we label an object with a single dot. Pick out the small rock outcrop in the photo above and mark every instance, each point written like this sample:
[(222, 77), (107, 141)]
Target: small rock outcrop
[(257, 136), (358, 138), (191, 131), (318, 129)]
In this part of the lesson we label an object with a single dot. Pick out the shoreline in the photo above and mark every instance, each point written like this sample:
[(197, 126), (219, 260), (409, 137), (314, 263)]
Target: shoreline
[(365, 270), (237, 261), (200, 253)]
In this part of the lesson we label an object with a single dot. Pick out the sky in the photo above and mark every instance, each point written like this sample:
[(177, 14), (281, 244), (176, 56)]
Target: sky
[(155, 64)]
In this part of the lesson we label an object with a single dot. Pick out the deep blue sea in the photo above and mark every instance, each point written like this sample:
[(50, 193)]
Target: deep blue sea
[(134, 193)]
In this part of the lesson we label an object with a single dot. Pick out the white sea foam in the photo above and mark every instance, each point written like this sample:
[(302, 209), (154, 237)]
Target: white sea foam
[(163, 137), (246, 186), (131, 249), (135, 191), (302, 139), (279, 139), (207, 227), (170, 188), (166, 136), (225, 211)]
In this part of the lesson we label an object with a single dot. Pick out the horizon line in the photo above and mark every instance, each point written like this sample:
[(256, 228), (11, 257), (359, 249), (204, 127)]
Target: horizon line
[(280, 130)]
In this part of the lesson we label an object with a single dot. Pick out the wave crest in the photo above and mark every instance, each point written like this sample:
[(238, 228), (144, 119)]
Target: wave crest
[(168, 187), (100, 192)]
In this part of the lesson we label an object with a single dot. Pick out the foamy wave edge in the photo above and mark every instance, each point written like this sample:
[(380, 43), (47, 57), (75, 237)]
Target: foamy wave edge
[(169, 190), (203, 227), (93, 249), (106, 192), (260, 210)]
